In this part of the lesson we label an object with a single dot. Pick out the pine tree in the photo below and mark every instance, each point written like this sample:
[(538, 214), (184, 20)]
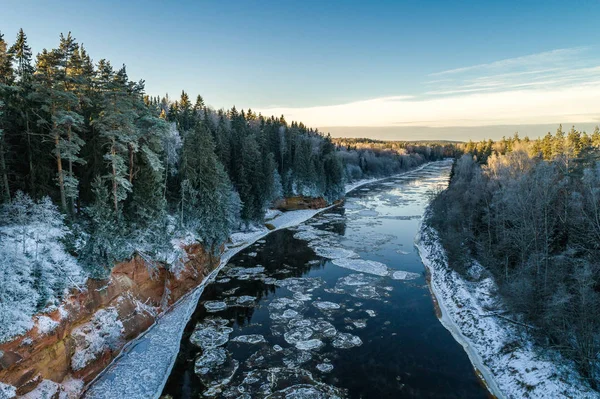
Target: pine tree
[(209, 206)]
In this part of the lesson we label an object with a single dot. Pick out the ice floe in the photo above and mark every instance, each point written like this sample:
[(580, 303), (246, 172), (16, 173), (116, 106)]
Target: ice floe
[(311, 344), (346, 341), (250, 339), (326, 305), (324, 367), (211, 333), (363, 266), (215, 306), (403, 275)]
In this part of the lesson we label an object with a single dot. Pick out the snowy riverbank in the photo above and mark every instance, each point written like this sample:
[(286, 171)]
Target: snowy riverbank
[(501, 351), (144, 365)]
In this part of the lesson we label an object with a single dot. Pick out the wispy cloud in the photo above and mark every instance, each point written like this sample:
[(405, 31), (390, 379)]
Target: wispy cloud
[(544, 58), (551, 87)]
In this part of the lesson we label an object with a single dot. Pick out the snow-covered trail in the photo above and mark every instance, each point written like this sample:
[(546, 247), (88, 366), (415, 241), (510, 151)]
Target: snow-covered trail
[(518, 372), (142, 368)]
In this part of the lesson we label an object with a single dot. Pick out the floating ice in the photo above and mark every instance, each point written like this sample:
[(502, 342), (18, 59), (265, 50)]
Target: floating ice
[(277, 348), (231, 291), (324, 328), (401, 252), (300, 323), (362, 323), (286, 315), (210, 358), (253, 254), (301, 284), (371, 312), (326, 305), (282, 303), (250, 339), (244, 273), (310, 344), (302, 297), (245, 300), (345, 341), (298, 383), (215, 306), (324, 367), (211, 333), (402, 275), (364, 266), (298, 334), (335, 253)]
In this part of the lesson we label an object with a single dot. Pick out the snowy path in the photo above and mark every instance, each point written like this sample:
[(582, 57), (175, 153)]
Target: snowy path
[(144, 365), (500, 351)]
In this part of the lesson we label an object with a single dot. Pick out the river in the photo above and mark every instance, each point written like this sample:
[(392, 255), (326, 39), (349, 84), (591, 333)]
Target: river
[(338, 306)]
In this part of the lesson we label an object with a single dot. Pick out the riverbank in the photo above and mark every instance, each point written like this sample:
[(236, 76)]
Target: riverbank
[(502, 352)]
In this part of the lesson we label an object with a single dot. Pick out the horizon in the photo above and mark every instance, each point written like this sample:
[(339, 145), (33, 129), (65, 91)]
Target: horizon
[(358, 72)]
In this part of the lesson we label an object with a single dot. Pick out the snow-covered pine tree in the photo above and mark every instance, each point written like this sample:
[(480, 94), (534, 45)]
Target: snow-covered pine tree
[(209, 204)]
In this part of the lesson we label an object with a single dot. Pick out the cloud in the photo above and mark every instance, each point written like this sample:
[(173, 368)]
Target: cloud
[(551, 87), (575, 104), (544, 58)]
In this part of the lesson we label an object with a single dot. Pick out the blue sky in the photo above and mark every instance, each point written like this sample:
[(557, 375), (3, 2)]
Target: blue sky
[(344, 63)]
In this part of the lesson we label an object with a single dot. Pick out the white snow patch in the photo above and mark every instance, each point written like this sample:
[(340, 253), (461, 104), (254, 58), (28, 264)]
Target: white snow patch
[(7, 391), (102, 333), (46, 325), (517, 373)]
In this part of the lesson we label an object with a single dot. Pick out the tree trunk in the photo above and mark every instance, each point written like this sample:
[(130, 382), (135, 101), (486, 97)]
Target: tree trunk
[(114, 175), (30, 156), (130, 163), (4, 172), (61, 180), (71, 200)]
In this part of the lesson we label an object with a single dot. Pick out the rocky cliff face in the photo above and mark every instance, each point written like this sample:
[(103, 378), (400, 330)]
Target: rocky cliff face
[(300, 202), (78, 340)]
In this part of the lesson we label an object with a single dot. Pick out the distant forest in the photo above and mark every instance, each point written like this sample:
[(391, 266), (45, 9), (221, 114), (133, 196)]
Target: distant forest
[(529, 212), (93, 170)]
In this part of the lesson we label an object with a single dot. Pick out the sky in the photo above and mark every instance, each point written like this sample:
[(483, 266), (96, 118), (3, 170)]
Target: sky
[(382, 69)]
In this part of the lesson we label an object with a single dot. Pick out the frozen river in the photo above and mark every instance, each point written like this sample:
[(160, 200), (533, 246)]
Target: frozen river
[(337, 306)]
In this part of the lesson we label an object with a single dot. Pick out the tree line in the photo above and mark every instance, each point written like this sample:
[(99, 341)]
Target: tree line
[(529, 212), (128, 171)]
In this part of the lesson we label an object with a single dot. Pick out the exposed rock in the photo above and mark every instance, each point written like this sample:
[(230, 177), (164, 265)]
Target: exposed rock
[(59, 348)]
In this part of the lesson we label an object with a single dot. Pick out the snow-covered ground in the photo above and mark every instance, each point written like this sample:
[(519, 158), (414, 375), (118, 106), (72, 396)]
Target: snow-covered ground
[(501, 351), (144, 365)]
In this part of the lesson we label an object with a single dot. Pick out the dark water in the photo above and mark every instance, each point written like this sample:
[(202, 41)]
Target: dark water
[(372, 336)]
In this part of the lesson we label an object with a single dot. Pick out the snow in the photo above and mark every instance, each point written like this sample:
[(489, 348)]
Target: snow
[(35, 269), (526, 370), (363, 266), (46, 325), (7, 391), (93, 338)]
